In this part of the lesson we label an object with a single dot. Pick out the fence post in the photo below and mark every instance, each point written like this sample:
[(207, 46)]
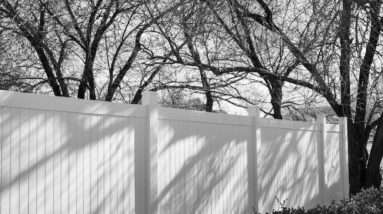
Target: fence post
[(343, 153), (252, 166), (150, 100), (322, 135)]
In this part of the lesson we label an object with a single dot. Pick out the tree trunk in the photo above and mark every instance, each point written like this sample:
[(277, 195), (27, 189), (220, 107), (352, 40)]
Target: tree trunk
[(87, 80), (357, 158), (81, 89), (137, 97), (374, 177), (275, 90), (47, 68), (345, 57), (209, 101), (206, 87)]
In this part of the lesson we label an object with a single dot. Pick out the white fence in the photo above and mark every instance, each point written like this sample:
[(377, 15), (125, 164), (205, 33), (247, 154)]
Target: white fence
[(61, 155)]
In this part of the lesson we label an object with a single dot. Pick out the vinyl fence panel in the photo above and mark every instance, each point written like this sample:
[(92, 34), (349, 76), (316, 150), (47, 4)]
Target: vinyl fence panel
[(202, 162), (55, 160), (288, 166), (62, 155)]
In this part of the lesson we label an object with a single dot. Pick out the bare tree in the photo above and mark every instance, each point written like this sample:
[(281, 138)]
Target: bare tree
[(75, 31), (364, 169), (219, 36), (30, 22)]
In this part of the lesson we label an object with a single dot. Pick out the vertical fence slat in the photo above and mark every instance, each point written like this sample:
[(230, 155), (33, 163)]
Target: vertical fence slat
[(15, 146), (252, 147), (322, 132), (23, 161), (6, 160), (343, 154), (2, 186)]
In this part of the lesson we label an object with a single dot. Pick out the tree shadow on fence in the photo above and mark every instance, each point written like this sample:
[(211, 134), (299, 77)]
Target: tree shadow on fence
[(289, 170), (212, 175), (62, 162), (204, 168)]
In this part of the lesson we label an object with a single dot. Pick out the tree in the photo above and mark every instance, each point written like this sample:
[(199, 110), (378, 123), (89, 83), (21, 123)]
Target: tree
[(32, 26), (355, 76), (179, 40), (217, 34), (75, 31)]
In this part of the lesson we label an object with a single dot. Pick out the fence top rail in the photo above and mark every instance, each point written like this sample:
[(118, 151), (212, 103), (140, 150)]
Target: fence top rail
[(237, 120), (65, 104), (203, 117), (296, 125), (288, 124)]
